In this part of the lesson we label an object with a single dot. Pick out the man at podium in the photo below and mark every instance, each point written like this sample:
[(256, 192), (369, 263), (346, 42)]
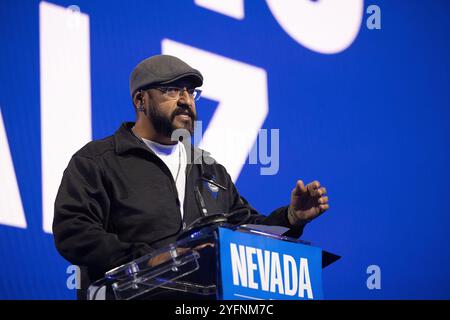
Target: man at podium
[(135, 191)]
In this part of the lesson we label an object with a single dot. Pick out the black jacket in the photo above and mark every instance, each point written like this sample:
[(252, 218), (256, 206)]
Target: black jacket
[(118, 201)]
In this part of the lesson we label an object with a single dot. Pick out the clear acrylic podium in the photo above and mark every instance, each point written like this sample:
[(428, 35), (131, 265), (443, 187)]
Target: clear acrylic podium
[(186, 269)]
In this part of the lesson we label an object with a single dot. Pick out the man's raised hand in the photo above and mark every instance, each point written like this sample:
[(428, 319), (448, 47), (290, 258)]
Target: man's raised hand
[(307, 202)]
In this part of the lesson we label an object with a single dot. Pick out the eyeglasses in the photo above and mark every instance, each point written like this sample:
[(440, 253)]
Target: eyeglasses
[(175, 92)]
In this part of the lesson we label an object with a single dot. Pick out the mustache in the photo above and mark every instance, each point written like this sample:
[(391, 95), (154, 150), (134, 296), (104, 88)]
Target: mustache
[(185, 111)]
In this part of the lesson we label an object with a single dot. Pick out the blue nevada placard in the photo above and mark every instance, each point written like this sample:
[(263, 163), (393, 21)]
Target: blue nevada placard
[(257, 267)]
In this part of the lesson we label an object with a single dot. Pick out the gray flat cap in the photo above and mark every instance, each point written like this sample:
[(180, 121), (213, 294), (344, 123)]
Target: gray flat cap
[(162, 69)]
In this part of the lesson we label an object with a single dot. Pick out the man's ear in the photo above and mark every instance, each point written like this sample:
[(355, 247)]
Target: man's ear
[(137, 98)]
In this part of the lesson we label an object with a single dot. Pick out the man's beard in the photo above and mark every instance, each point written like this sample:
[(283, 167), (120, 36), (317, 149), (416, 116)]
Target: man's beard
[(165, 126)]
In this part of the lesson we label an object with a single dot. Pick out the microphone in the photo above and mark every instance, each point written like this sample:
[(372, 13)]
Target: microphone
[(200, 200), (198, 195), (209, 178), (206, 219)]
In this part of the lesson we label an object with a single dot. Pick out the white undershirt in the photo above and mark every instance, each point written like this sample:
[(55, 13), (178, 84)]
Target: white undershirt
[(175, 158)]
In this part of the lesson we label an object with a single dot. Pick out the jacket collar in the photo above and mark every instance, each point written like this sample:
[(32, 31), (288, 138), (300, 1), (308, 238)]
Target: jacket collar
[(125, 140)]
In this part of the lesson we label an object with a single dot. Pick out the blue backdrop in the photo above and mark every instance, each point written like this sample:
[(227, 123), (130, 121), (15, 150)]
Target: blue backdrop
[(370, 122)]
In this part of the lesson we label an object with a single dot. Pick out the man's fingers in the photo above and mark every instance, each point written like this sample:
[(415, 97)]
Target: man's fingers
[(323, 200), (319, 192), (313, 186), (299, 188), (324, 207), (208, 244)]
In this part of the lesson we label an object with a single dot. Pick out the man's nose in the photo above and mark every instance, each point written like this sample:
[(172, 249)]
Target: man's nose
[(185, 94), (185, 98)]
